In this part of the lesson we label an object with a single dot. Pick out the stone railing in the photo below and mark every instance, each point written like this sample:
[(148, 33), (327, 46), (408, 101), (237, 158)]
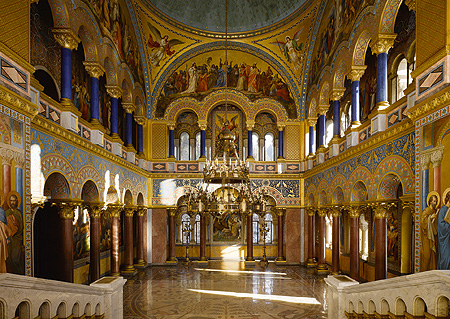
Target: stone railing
[(29, 297), (421, 295)]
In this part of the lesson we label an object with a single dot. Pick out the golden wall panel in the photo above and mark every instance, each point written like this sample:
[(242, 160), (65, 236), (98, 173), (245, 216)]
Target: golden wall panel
[(430, 28), (292, 142), (15, 26), (159, 140)]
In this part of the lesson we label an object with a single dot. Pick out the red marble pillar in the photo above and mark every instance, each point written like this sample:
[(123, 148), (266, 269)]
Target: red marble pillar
[(311, 262), (6, 183), (380, 242), (129, 266), (114, 211), (171, 257), (436, 159), (249, 237), (94, 254), (66, 263), (140, 244), (322, 268), (336, 244), (280, 214), (203, 238), (354, 242)]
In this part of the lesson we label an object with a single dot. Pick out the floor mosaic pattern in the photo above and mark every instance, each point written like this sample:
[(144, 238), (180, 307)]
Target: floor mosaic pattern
[(225, 290)]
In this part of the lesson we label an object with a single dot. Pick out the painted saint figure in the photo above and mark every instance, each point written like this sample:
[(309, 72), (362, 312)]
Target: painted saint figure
[(15, 261), (161, 46), (8, 227), (292, 49), (428, 232), (444, 233), (193, 78)]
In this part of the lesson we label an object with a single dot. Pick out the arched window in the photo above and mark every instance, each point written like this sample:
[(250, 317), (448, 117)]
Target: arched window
[(269, 150), (185, 222), (184, 146), (401, 79), (255, 229), (328, 131), (197, 229), (363, 237), (198, 138), (269, 223), (328, 230), (255, 141)]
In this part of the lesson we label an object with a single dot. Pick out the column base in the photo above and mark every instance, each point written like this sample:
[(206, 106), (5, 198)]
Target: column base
[(335, 273), (141, 264), (172, 261), (202, 262), (115, 274), (203, 259), (249, 258), (129, 273), (280, 262), (322, 270), (311, 263), (250, 263)]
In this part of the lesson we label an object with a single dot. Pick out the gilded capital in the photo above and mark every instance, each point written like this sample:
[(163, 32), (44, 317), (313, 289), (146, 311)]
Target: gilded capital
[(203, 125), (139, 119), (311, 121), (281, 126), (141, 211), (383, 43), (311, 211), (337, 94), (129, 210), (66, 38), (114, 209), (323, 109), (94, 69), (322, 212), (250, 125), (382, 209), (425, 160), (356, 72), (95, 209), (436, 157), (336, 211), (354, 211), (172, 211), (66, 208), (280, 211), (128, 107), (114, 91)]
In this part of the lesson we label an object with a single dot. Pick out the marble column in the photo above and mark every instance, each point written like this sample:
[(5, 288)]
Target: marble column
[(311, 123), (171, 127), (280, 214), (141, 211), (280, 141), (171, 256), (249, 237), (355, 75), (380, 47), (337, 118), (7, 157), (68, 41), (407, 218), (66, 213), (311, 262), (203, 237), (425, 160), (129, 109), (322, 268), (95, 210), (115, 92), (381, 211), (203, 127), (129, 265), (19, 160), (250, 139), (354, 212), (336, 242), (321, 125), (95, 71), (436, 159), (140, 121), (114, 211)]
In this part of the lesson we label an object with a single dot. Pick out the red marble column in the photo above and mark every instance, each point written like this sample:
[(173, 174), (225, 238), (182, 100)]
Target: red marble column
[(336, 256), (311, 262), (94, 254), (203, 238), (129, 266), (280, 214), (6, 183), (322, 268), (171, 257), (249, 237), (66, 263), (140, 244), (380, 242), (354, 242), (436, 159), (114, 210)]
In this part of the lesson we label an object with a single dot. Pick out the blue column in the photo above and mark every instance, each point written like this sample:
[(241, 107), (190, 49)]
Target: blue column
[(66, 74), (382, 77), (311, 140), (140, 139), (129, 129), (425, 183), (280, 144), (321, 130), (337, 118), (355, 101), (202, 143), (171, 143), (250, 144), (94, 99), (114, 116), (19, 186)]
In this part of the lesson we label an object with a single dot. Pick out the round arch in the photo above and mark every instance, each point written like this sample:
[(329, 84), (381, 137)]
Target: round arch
[(89, 191)]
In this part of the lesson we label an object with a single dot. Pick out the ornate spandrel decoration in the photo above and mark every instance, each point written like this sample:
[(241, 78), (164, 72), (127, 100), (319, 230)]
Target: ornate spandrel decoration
[(114, 91), (66, 38), (95, 209), (383, 43), (128, 107), (94, 69), (114, 209), (356, 72)]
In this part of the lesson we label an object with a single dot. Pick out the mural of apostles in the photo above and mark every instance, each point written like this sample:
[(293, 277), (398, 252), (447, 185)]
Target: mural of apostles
[(246, 74)]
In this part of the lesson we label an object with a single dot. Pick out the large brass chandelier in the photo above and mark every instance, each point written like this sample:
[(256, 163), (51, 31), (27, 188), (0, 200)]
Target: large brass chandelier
[(225, 187)]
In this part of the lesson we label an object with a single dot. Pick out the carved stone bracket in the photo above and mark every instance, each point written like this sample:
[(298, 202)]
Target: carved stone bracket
[(383, 43), (94, 69), (66, 38), (114, 91)]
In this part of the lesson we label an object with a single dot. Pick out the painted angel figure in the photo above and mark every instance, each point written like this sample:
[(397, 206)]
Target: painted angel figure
[(161, 46), (292, 50)]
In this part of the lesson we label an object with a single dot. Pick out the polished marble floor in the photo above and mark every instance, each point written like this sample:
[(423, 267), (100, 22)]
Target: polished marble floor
[(225, 290)]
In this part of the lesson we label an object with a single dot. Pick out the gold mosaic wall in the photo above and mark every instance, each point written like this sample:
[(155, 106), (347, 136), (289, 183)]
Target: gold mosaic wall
[(159, 141), (293, 139), (15, 26)]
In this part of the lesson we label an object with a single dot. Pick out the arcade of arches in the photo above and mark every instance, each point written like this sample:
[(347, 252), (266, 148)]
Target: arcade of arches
[(110, 110)]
